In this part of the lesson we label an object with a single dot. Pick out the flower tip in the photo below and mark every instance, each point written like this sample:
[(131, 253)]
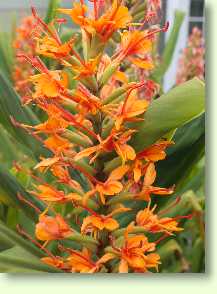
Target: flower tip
[(166, 27), (33, 10)]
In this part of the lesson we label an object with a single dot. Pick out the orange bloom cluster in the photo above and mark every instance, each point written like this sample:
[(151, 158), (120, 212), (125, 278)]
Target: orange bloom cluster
[(23, 43), (87, 129)]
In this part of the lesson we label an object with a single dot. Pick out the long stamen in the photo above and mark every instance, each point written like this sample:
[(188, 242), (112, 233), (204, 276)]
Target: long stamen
[(22, 232), (177, 200), (21, 198)]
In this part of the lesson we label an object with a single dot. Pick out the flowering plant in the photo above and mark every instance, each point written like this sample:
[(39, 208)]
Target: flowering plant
[(93, 191)]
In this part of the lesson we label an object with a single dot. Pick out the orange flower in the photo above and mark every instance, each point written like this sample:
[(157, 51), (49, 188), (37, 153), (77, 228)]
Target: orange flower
[(85, 69), (125, 151), (96, 222), (80, 262), (55, 261), (151, 154), (152, 223), (134, 43), (113, 19), (49, 85), (137, 170), (52, 228), (135, 254), (57, 144), (59, 170), (49, 47), (49, 194), (52, 125), (86, 102), (111, 186), (77, 14), (132, 255), (148, 189), (155, 152), (129, 109), (116, 141)]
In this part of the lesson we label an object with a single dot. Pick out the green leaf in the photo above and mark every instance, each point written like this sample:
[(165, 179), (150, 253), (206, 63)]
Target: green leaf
[(172, 110), (6, 54), (52, 10), (198, 255), (167, 249), (11, 238), (179, 165), (9, 189), (17, 260), (8, 151), (10, 106), (170, 47)]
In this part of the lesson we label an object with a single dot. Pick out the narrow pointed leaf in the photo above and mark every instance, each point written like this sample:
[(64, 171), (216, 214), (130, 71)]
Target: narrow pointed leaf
[(10, 188), (170, 47), (10, 106)]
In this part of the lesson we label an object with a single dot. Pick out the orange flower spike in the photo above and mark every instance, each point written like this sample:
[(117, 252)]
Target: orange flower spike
[(148, 189), (52, 228)]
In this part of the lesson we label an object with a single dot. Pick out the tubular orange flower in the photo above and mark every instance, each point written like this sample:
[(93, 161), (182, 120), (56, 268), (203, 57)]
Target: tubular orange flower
[(129, 109), (152, 223), (148, 189), (49, 85), (111, 186), (135, 43), (135, 253), (115, 18), (57, 144), (96, 222), (49, 194), (113, 142), (48, 46), (155, 152), (80, 262), (52, 228), (55, 262)]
